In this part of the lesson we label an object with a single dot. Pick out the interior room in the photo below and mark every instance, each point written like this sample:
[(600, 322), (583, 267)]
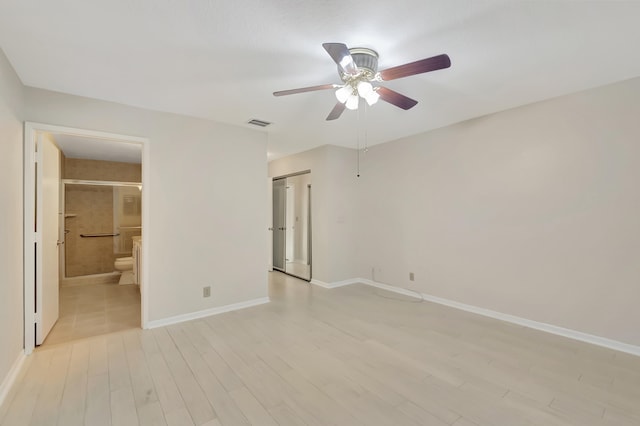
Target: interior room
[(98, 237), (420, 213)]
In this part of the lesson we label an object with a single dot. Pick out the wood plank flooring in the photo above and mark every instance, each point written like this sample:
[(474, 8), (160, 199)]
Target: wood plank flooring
[(328, 357)]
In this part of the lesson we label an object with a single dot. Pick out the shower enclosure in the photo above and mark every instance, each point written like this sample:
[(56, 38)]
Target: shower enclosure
[(100, 219), (292, 225)]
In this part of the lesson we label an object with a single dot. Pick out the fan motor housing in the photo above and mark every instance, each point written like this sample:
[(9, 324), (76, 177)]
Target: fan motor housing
[(366, 60)]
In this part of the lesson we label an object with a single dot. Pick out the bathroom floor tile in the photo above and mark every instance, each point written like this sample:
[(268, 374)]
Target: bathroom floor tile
[(95, 309)]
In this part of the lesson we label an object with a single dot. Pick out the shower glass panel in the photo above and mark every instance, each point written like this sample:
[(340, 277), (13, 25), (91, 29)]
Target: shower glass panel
[(292, 225), (100, 221)]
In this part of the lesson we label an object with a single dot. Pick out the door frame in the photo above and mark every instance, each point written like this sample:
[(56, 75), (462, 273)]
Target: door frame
[(30, 237), (309, 227)]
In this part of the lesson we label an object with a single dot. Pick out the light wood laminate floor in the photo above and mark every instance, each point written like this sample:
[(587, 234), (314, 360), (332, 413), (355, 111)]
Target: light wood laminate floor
[(317, 357)]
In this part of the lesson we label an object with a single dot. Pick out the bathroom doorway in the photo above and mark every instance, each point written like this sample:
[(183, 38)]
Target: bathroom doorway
[(292, 225), (72, 280)]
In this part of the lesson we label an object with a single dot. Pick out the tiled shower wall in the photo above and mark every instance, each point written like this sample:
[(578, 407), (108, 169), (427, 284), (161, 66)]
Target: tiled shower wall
[(93, 209), (89, 210)]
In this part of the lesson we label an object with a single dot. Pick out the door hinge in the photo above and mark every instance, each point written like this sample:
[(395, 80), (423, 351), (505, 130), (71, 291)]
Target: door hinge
[(36, 318)]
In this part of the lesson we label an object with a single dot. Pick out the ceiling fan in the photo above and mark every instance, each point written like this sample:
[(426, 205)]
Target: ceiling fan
[(358, 69)]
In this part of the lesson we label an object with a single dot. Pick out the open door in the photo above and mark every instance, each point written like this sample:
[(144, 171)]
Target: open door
[(47, 235)]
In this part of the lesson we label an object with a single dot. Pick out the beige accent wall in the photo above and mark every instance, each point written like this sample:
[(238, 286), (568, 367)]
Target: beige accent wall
[(11, 222), (92, 210), (76, 168), (63, 163), (202, 230), (533, 212)]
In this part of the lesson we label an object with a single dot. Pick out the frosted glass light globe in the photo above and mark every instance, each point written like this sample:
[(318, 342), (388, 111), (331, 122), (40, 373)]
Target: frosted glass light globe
[(372, 97), (364, 88), (352, 102), (343, 93)]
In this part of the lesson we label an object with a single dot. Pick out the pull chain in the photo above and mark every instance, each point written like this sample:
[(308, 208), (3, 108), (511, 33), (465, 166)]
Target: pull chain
[(366, 122), (358, 141)]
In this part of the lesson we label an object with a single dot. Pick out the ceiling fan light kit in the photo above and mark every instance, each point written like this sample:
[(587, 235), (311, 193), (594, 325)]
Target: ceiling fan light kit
[(352, 102), (358, 70), (343, 93)]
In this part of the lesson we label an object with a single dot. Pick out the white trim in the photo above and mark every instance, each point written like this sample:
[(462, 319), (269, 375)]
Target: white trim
[(391, 288), (30, 131), (143, 277), (548, 328), (51, 128), (29, 212), (207, 312), (335, 284), (99, 182), (11, 377)]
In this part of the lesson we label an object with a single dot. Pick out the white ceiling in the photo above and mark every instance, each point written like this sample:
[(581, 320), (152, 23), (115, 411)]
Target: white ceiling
[(222, 60), (98, 149)]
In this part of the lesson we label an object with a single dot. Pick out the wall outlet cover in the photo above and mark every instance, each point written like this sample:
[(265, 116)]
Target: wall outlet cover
[(206, 291)]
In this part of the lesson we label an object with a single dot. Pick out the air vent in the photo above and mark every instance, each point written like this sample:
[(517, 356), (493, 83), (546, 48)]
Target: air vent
[(257, 122)]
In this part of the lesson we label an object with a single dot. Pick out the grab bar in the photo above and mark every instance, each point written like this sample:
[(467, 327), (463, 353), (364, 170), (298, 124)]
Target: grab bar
[(99, 235)]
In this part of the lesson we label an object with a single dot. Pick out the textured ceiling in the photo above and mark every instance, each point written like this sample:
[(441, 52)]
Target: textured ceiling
[(221, 60)]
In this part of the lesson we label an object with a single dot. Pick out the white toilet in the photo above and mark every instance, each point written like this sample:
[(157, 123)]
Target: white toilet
[(125, 265)]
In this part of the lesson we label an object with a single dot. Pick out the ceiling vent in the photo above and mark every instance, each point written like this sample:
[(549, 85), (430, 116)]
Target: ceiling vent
[(259, 123)]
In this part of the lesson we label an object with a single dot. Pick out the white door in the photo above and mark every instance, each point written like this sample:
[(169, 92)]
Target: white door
[(48, 243)]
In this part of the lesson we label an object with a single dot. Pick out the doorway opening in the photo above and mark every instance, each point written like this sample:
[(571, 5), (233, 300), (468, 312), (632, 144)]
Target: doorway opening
[(292, 243), (85, 210)]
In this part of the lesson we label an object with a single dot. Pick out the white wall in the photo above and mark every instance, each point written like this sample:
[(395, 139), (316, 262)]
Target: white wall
[(207, 208), (11, 247), (333, 208), (533, 212)]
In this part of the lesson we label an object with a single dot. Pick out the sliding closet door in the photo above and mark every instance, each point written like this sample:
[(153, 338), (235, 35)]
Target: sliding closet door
[(298, 260), (292, 225), (279, 223)]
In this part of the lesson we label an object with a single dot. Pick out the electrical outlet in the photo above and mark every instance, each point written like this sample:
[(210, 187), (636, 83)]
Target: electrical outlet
[(206, 291), (411, 276)]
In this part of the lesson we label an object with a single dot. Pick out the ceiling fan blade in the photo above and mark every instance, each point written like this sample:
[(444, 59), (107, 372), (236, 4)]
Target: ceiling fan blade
[(395, 98), (339, 52), (306, 89), (336, 112), (418, 67)]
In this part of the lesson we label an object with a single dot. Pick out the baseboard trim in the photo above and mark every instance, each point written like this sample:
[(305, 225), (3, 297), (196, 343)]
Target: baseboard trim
[(391, 288), (549, 328), (335, 284), (11, 377), (207, 312)]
